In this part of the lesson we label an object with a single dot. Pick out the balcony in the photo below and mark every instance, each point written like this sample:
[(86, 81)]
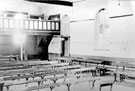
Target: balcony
[(10, 26)]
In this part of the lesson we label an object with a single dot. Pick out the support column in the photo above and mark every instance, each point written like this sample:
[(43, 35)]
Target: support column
[(21, 51)]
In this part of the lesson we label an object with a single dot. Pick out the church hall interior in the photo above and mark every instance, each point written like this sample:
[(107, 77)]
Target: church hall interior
[(67, 45)]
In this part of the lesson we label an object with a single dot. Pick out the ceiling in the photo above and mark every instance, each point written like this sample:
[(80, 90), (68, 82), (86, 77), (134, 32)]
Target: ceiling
[(58, 2)]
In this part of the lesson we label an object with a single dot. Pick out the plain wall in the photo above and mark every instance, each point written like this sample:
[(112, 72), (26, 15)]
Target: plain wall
[(118, 38), (20, 6)]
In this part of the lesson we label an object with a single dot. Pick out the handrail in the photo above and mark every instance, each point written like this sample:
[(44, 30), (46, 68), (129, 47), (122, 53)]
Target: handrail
[(29, 24)]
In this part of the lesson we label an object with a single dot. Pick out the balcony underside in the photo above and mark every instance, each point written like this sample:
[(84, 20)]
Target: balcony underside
[(29, 32)]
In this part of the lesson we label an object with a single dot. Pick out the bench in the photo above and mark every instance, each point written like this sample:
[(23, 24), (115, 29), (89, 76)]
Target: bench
[(14, 68), (54, 79), (77, 75), (51, 86), (10, 64), (63, 59), (27, 76), (123, 72), (7, 85), (32, 72), (91, 79), (39, 81), (108, 69), (123, 75), (25, 63), (68, 84), (111, 67), (90, 61), (53, 65), (28, 70), (32, 63), (68, 68), (83, 70), (21, 71)]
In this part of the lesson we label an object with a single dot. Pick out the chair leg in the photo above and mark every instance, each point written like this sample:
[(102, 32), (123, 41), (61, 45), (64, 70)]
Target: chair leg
[(51, 88), (68, 86)]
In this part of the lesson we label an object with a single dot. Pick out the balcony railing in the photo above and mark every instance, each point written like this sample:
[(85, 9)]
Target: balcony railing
[(11, 24)]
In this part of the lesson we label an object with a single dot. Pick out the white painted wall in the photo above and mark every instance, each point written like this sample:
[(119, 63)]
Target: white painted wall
[(83, 30), (115, 9), (119, 37), (133, 6), (87, 9), (52, 9), (20, 6)]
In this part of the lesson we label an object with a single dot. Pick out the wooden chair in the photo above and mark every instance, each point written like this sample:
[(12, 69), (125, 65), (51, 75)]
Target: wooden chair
[(104, 84)]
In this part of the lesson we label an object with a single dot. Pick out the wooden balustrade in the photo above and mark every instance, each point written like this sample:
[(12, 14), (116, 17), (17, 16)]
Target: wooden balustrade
[(11, 24)]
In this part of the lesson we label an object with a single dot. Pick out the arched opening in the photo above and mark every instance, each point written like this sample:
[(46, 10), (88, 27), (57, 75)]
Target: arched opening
[(65, 31), (101, 25)]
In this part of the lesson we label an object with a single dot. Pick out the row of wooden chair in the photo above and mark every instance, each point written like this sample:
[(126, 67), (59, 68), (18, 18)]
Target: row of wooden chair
[(55, 69), (65, 68), (67, 83)]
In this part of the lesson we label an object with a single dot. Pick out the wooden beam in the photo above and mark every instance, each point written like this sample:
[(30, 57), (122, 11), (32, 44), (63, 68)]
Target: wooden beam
[(30, 32), (58, 2)]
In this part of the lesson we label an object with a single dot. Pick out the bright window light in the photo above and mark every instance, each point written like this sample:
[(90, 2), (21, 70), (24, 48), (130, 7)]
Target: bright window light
[(19, 38)]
